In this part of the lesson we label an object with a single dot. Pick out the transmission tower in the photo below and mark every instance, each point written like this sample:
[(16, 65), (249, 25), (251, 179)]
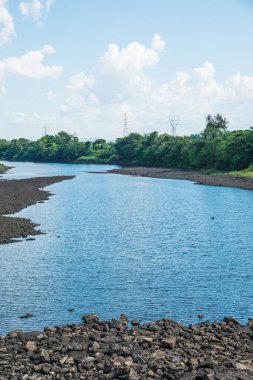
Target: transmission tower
[(125, 129), (174, 124), (44, 130)]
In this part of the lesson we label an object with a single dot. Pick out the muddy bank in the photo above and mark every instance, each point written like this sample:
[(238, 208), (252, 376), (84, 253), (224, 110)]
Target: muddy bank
[(112, 350), (203, 179), (16, 195)]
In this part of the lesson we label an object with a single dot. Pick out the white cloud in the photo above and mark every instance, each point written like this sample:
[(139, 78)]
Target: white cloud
[(134, 57), (35, 9), (79, 81), (241, 86), (7, 29), (206, 71), (30, 65), (48, 49), (182, 76)]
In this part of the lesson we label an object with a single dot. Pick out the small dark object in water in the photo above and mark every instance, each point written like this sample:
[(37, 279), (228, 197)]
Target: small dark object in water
[(200, 316), (25, 316), (71, 310), (212, 217), (58, 236)]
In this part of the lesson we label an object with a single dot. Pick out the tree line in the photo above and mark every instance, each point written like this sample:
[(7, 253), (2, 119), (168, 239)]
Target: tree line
[(215, 148)]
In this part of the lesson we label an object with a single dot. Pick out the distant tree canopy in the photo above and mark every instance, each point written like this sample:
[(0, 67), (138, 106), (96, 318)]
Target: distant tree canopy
[(215, 126), (215, 148)]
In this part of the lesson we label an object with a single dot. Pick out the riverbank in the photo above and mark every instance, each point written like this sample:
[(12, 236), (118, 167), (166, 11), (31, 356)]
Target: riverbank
[(3, 168), (197, 177), (112, 350), (16, 195)]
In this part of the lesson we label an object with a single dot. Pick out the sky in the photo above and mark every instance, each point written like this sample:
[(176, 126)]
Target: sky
[(80, 65)]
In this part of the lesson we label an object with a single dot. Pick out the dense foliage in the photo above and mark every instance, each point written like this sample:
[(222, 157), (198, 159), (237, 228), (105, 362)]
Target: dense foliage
[(215, 148)]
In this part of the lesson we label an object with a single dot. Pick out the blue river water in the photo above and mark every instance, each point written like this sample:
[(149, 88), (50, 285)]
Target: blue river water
[(145, 247)]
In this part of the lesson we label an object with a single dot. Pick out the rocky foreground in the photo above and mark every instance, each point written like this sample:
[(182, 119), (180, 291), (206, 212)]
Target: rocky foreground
[(112, 350), (200, 178), (16, 195)]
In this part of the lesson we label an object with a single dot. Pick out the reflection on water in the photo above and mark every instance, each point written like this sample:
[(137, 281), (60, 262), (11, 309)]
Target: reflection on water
[(146, 247)]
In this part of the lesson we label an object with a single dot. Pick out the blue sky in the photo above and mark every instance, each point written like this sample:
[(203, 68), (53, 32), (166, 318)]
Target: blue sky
[(79, 65)]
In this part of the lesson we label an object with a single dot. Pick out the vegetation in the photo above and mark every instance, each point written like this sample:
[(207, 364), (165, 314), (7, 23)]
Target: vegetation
[(215, 149), (247, 173), (2, 167)]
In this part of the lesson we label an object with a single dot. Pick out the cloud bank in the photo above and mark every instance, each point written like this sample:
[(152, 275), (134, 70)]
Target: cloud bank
[(93, 104), (119, 84)]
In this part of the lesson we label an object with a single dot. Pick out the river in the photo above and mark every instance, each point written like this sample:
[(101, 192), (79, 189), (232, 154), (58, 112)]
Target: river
[(151, 248)]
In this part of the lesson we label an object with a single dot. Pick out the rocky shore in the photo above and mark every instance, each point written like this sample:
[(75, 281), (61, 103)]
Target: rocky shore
[(16, 195), (203, 179), (112, 350)]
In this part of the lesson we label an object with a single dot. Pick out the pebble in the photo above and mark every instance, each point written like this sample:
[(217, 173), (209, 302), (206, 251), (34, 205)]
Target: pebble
[(101, 350)]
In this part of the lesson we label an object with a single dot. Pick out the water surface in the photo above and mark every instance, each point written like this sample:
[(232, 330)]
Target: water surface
[(146, 247)]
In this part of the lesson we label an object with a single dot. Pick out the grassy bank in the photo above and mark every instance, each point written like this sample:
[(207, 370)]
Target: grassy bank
[(3, 168), (246, 173)]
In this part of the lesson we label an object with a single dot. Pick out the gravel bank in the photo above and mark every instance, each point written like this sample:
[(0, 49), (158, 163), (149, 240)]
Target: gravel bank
[(112, 350), (16, 195), (203, 179)]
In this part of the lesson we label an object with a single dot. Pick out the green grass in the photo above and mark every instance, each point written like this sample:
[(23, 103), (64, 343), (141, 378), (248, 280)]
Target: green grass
[(246, 173), (92, 160)]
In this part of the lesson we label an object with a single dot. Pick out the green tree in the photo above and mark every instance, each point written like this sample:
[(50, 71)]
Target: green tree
[(215, 126)]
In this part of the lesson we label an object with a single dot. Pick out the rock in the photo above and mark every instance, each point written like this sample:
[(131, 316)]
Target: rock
[(44, 355), (110, 338), (25, 316), (78, 356), (245, 366), (46, 368), (31, 346), (189, 376), (107, 350), (169, 342), (135, 322), (231, 320), (133, 375), (25, 336), (147, 339), (90, 318), (250, 323), (95, 346), (232, 374), (123, 319), (207, 363), (63, 360)]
